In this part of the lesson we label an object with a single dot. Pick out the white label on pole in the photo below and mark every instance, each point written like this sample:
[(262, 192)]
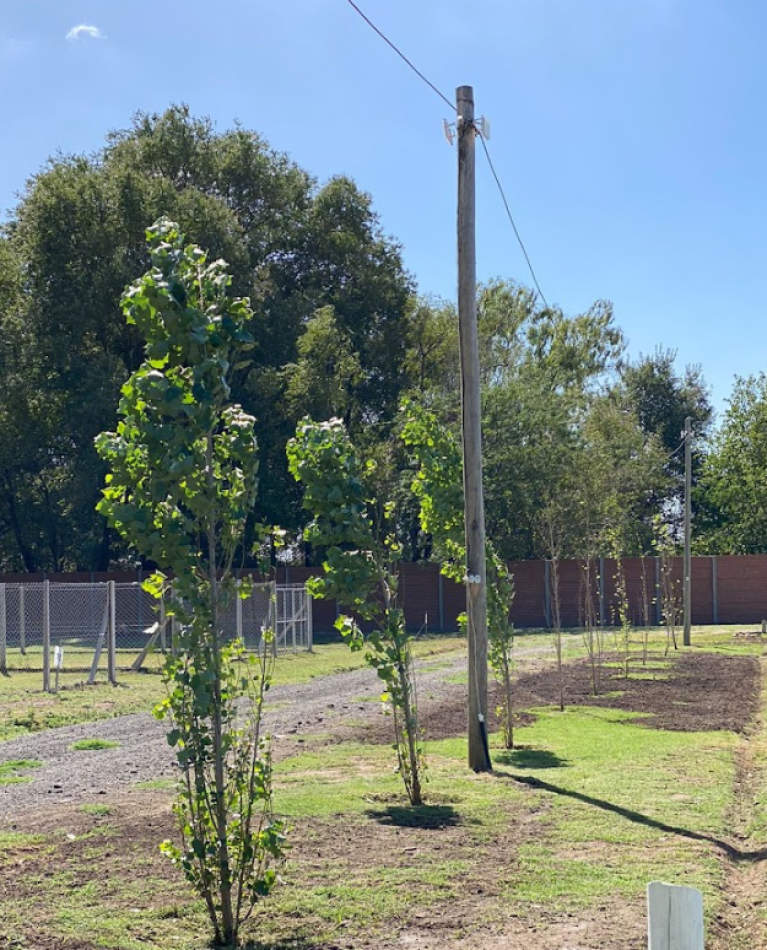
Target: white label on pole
[(58, 658)]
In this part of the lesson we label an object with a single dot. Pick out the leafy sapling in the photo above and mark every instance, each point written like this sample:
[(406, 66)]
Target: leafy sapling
[(438, 485), (358, 574), (181, 485)]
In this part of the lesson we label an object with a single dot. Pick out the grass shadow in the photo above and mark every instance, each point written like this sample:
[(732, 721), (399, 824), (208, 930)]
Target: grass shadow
[(281, 943), (430, 817), (530, 759), (733, 852)]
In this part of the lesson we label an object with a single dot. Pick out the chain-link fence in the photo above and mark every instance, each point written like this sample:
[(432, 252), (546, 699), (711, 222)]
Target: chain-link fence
[(41, 622), (107, 626), (293, 628)]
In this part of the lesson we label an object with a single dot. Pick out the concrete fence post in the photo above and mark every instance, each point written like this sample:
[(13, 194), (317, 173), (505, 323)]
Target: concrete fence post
[(674, 917), (112, 633), (22, 622), (309, 622), (46, 636), (163, 624), (293, 593), (175, 626), (3, 632)]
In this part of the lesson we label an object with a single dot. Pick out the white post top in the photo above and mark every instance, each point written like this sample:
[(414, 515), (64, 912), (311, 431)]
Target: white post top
[(674, 917)]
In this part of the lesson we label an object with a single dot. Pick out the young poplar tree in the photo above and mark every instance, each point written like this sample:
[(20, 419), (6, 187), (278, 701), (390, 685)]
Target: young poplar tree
[(670, 596), (182, 482), (358, 574), (439, 488), (553, 517)]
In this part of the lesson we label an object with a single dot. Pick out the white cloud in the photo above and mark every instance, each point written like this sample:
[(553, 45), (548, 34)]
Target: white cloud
[(84, 30)]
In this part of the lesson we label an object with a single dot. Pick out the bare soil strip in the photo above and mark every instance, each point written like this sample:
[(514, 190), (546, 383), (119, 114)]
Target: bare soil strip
[(697, 693), (742, 922)]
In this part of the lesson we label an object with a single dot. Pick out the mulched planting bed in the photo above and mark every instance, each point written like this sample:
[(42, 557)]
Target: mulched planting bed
[(698, 692)]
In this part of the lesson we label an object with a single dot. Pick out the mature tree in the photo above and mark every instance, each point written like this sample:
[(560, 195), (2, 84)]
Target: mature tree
[(325, 379), (623, 467), (74, 242), (734, 482), (661, 397), (531, 441), (182, 483), (539, 369), (516, 334)]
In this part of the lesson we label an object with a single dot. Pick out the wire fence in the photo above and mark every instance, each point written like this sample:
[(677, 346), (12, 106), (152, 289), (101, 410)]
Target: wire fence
[(103, 627)]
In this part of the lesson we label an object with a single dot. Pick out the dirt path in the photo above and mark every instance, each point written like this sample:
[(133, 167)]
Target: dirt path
[(335, 707), (742, 922)]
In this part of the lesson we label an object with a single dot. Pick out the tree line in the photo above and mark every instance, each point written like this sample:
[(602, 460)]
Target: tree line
[(581, 443)]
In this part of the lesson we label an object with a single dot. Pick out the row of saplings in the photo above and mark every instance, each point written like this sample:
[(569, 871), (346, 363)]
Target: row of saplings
[(181, 485)]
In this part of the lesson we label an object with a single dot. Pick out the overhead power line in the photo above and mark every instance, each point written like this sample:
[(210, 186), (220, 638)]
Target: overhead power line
[(511, 220), (676, 450), (401, 55), (452, 106)]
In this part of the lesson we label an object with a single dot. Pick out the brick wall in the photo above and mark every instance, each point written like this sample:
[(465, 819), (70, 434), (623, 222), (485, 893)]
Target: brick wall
[(725, 589)]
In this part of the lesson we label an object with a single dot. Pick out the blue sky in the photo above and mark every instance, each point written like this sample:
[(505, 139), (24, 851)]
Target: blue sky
[(629, 134)]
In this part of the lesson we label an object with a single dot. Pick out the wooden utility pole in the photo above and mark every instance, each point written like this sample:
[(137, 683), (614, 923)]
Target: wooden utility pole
[(474, 508), (686, 640)]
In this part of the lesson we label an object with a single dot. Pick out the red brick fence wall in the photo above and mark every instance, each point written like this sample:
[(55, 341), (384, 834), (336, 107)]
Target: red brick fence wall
[(725, 589)]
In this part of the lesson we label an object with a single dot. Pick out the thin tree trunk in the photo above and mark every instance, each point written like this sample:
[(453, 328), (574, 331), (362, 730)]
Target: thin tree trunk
[(558, 628), (229, 925), (416, 795), (509, 707), (645, 615)]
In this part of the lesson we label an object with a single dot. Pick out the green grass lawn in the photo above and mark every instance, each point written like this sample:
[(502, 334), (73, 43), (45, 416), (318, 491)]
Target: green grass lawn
[(583, 814), (571, 825)]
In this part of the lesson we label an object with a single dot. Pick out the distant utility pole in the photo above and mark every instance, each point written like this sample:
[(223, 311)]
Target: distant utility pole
[(474, 508), (686, 640)]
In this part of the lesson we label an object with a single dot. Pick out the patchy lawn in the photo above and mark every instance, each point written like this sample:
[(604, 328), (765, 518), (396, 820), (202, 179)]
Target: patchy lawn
[(553, 849)]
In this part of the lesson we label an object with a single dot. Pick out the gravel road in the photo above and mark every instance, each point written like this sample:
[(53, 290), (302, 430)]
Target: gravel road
[(322, 705)]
